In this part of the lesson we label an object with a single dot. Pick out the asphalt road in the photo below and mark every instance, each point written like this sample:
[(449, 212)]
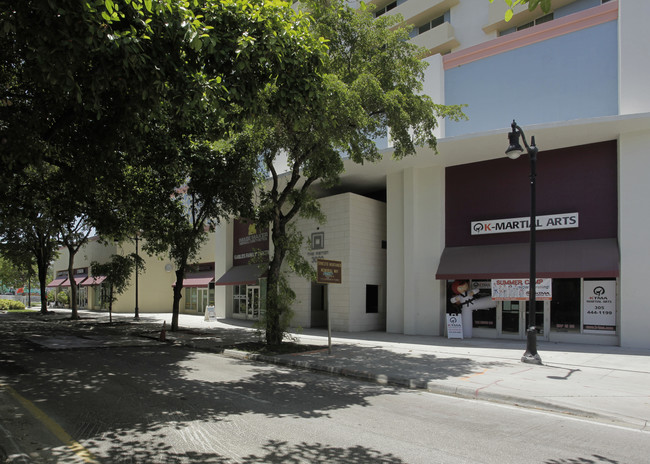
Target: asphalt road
[(165, 404)]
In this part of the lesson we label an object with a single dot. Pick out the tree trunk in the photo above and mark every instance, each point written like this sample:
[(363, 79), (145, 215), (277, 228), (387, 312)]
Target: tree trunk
[(178, 288), (274, 330), (42, 281), (110, 306), (73, 286)]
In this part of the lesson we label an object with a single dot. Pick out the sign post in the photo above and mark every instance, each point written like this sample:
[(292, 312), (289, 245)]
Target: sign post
[(328, 272)]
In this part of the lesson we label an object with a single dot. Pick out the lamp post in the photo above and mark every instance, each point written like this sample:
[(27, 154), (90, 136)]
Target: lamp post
[(137, 310), (514, 151)]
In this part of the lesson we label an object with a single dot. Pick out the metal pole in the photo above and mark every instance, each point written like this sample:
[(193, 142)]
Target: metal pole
[(329, 320), (137, 310), (531, 355)]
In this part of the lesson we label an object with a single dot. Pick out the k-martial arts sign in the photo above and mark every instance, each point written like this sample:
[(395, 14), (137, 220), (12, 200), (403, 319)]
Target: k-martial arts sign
[(502, 226)]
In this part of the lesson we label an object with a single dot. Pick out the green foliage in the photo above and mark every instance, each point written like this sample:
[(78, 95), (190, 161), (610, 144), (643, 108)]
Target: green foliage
[(371, 85), (10, 275), (118, 272), (544, 5), (123, 102), (63, 298), (11, 305)]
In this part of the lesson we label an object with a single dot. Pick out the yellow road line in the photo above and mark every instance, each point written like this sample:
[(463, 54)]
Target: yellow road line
[(52, 426)]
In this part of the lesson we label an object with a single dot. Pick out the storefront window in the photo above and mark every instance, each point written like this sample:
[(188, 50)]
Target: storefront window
[(475, 295), (565, 306)]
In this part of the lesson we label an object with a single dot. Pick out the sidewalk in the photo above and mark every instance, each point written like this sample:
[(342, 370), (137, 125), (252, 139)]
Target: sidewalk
[(600, 382)]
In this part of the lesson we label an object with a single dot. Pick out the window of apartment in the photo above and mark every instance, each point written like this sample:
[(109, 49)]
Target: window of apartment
[(372, 298), (541, 20), (385, 9), (431, 24)]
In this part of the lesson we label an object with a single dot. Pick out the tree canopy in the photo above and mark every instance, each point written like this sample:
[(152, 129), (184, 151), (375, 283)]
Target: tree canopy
[(123, 102), (371, 86)]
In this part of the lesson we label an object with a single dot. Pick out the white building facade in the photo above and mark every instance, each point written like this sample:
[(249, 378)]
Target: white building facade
[(575, 79)]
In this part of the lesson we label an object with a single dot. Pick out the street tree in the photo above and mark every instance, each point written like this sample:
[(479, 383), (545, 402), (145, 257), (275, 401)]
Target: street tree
[(218, 182), (10, 274), (28, 227), (117, 270), (74, 234), (371, 86)]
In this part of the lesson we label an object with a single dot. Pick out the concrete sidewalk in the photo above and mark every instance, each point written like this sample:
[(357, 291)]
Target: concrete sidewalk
[(600, 382)]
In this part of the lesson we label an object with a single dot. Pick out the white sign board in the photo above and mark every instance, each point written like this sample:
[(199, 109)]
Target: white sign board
[(522, 224), (210, 314), (599, 306), (454, 326), (517, 289)]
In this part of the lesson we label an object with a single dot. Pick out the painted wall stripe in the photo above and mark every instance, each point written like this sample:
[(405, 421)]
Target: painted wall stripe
[(561, 26)]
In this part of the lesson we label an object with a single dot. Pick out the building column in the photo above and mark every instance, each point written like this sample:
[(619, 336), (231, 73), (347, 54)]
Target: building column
[(634, 191), (415, 243)]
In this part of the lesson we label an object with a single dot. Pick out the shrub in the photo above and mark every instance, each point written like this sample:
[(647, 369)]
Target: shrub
[(11, 305), (63, 298)]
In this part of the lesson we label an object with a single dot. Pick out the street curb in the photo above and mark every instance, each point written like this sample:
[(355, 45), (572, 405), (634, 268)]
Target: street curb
[(431, 387)]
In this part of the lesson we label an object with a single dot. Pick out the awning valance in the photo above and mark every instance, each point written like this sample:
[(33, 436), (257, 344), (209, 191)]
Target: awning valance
[(197, 279), (58, 282), (247, 274), (94, 280), (564, 259), (77, 280)]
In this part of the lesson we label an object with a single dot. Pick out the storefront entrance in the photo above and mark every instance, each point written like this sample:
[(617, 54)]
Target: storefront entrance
[(202, 300), (253, 302), (512, 319), (82, 297)]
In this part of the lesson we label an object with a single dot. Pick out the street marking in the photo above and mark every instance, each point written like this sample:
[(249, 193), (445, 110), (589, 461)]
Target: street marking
[(52, 426), (474, 375)]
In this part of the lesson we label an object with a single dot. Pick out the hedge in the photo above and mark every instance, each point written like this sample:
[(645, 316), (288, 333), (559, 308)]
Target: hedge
[(11, 305)]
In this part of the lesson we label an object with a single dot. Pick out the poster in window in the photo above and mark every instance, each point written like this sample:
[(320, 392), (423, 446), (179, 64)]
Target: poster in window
[(599, 306)]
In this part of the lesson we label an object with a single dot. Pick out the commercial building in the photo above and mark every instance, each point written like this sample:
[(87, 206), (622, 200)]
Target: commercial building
[(153, 292), (438, 233), (409, 234)]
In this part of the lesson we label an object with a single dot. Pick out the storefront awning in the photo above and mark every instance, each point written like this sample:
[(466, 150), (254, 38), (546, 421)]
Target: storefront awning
[(197, 279), (58, 282), (565, 259), (77, 280), (247, 274), (95, 280)]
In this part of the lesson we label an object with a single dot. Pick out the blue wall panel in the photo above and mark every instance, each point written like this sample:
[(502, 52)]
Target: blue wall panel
[(567, 77)]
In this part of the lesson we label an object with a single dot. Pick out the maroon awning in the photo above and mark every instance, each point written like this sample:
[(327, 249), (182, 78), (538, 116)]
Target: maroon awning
[(94, 280), (58, 282), (596, 258), (247, 274), (197, 279), (77, 280)]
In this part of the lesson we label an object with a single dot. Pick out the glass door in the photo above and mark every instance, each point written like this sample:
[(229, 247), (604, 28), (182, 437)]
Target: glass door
[(253, 302), (512, 319), (82, 297), (202, 300)]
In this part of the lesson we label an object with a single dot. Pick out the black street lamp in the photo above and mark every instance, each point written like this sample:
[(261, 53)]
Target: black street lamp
[(513, 152), (137, 269)]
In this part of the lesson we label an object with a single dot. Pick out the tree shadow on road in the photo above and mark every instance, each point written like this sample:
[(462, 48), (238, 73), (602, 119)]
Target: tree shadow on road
[(132, 404)]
